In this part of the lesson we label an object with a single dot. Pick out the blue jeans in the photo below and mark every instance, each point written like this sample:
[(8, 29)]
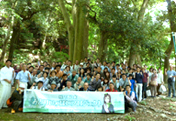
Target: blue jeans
[(171, 85)]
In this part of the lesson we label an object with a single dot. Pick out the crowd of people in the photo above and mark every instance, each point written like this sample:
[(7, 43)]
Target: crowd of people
[(83, 76)]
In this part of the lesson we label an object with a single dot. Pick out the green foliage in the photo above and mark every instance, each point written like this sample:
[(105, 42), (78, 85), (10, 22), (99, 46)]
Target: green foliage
[(43, 30), (143, 103), (129, 118)]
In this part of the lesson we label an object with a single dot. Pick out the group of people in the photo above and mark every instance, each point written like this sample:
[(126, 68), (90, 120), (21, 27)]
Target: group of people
[(84, 76)]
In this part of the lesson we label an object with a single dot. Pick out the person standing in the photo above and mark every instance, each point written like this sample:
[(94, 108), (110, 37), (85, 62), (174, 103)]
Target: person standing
[(139, 85), (6, 76), (160, 81), (153, 83), (171, 74), (145, 82), (23, 76)]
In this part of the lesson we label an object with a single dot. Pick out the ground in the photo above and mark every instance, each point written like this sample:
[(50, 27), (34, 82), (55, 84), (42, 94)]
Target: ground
[(160, 109)]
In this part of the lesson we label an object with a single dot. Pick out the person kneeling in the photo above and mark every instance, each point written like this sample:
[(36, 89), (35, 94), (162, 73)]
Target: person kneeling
[(17, 99), (130, 99)]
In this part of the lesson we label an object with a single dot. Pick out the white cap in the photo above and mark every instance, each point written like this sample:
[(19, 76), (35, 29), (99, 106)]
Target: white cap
[(81, 64)]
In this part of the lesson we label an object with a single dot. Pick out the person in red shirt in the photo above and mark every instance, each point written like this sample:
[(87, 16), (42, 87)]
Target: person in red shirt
[(111, 88)]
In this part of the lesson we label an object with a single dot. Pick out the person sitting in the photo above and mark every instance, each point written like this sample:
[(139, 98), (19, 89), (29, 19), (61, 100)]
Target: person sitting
[(123, 82), (82, 74), (45, 80), (54, 78), (17, 99), (73, 77), (68, 88), (88, 78), (111, 88), (86, 85), (63, 82), (115, 82), (53, 87), (130, 99), (67, 70), (105, 84), (100, 89), (78, 84), (95, 83), (39, 86)]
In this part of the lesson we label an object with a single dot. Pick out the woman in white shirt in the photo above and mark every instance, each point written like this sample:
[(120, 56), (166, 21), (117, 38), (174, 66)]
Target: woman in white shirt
[(160, 81)]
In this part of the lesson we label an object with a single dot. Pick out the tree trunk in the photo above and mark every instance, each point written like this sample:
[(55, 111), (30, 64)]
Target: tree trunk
[(5, 43), (86, 35), (140, 19), (81, 30), (132, 56), (70, 28), (173, 29), (102, 47), (15, 37)]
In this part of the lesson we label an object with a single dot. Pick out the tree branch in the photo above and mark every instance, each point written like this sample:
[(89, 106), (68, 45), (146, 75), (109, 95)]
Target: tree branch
[(95, 14), (68, 3), (133, 3), (142, 10)]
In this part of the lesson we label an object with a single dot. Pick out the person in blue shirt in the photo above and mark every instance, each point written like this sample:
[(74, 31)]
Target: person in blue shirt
[(171, 74), (133, 83), (23, 76), (88, 78)]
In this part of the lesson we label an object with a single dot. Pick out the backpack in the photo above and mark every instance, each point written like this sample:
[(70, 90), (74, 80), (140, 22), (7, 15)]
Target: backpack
[(136, 98)]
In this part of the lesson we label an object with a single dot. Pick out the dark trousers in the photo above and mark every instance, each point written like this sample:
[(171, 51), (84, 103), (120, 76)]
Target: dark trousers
[(144, 89), (171, 85), (131, 104), (17, 104), (159, 85)]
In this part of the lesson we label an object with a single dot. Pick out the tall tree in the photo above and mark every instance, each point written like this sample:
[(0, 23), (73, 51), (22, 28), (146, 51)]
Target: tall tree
[(172, 21), (77, 31), (134, 49)]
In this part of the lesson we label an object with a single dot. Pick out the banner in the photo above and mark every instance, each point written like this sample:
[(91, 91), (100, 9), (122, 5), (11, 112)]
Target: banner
[(73, 102)]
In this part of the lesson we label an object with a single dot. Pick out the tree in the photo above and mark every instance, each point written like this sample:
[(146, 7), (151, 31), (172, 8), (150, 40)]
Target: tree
[(77, 32), (172, 21)]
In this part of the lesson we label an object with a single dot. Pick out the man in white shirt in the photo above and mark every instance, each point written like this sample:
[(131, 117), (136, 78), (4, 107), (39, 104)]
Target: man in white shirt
[(23, 76), (6, 76)]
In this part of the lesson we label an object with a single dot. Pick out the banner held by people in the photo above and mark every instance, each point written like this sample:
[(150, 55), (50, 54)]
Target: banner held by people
[(73, 102)]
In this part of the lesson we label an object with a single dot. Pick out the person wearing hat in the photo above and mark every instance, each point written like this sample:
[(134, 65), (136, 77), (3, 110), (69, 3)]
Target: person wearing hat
[(6, 77), (53, 87), (17, 98)]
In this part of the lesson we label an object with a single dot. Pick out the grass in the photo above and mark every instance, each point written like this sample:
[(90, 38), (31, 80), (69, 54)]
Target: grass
[(143, 103), (129, 118)]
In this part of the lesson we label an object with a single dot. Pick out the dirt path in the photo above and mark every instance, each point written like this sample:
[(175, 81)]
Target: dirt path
[(158, 109)]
